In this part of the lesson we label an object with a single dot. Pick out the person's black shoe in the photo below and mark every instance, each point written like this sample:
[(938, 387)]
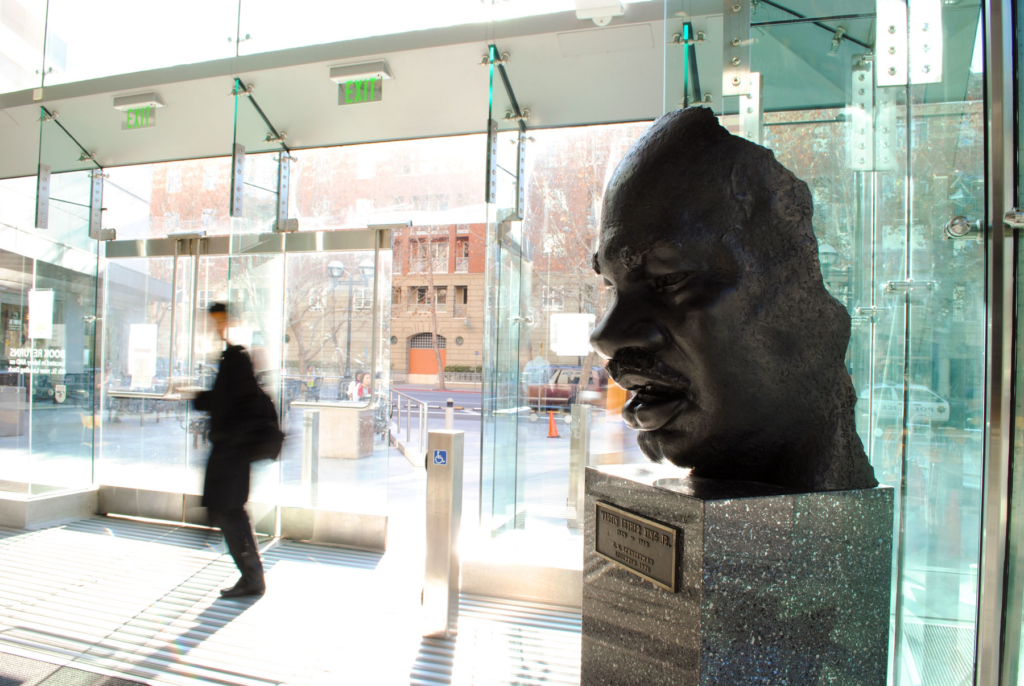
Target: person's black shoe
[(242, 589)]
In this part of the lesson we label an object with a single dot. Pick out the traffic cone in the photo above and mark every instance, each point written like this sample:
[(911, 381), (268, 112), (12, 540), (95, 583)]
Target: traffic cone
[(552, 427)]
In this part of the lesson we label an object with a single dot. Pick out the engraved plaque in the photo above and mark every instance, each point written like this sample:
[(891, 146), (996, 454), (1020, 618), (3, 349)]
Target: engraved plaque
[(643, 546)]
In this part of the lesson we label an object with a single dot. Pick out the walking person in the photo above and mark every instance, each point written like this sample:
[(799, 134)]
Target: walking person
[(233, 404)]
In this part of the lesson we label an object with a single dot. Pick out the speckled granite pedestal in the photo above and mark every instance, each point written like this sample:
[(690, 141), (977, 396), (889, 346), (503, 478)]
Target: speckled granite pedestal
[(772, 587)]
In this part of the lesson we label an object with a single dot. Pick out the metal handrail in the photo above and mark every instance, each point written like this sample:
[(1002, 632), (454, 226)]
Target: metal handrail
[(422, 411)]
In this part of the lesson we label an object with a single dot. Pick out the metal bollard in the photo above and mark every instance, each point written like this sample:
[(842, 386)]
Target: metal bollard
[(449, 415), (444, 520), (311, 453), (579, 458)]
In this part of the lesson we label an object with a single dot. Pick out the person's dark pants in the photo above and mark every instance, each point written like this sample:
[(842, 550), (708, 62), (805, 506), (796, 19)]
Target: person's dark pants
[(241, 541)]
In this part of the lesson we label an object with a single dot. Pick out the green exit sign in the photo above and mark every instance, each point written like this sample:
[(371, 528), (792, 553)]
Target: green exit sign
[(360, 90), (139, 118)]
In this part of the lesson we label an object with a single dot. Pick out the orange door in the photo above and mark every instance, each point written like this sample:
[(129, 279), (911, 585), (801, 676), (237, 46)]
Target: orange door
[(422, 360)]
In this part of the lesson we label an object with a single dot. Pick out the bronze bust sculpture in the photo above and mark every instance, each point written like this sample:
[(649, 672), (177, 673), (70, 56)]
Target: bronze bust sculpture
[(721, 324)]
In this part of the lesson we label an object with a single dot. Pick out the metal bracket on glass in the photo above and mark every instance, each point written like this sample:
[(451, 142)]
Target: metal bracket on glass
[(237, 179), (87, 157), (891, 42), (96, 204), (512, 116), (521, 177), (862, 115), (486, 61), (44, 117), (960, 227), (238, 90), (925, 36), (870, 312), (885, 129), (752, 111), (908, 286), (736, 47), (283, 177), (491, 192), (679, 39), (43, 197), (278, 139)]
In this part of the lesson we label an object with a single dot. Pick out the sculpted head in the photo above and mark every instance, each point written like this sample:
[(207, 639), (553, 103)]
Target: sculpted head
[(720, 322)]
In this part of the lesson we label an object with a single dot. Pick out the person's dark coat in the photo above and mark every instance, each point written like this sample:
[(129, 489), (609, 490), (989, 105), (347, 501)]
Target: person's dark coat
[(229, 405)]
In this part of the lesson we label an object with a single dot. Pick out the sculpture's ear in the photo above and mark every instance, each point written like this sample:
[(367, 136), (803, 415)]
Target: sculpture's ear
[(740, 191)]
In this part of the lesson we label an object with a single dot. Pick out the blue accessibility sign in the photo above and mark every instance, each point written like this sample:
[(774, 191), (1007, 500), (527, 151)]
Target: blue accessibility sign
[(440, 457)]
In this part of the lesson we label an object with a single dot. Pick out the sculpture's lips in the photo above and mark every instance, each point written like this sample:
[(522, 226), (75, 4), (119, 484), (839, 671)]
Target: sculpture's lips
[(655, 402)]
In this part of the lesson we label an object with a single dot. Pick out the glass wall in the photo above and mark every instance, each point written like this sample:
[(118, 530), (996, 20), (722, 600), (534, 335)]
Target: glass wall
[(889, 166)]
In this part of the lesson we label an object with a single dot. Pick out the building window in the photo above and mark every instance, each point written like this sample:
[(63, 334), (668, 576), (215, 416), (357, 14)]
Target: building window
[(461, 255), (551, 299), (419, 299), (362, 298), (171, 220), (209, 215), (460, 307), (441, 298), (424, 252), (396, 295), (174, 180), (364, 206)]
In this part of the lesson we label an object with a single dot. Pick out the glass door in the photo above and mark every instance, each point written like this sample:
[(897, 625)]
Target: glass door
[(879, 108), (311, 309), (506, 312)]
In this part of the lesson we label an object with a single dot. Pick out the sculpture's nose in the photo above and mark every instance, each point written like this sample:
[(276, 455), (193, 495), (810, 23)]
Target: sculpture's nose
[(627, 325)]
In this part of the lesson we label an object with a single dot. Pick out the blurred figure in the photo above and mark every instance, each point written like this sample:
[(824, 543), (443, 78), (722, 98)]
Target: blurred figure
[(352, 392), (364, 385), (226, 488)]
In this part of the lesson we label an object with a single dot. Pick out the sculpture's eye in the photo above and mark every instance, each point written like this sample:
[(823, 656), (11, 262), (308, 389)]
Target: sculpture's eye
[(670, 283)]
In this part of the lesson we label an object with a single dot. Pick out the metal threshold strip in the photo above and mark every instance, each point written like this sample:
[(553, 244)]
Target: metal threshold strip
[(139, 601)]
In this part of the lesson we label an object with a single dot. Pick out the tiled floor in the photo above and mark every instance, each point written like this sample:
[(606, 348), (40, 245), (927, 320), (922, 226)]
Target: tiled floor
[(139, 601)]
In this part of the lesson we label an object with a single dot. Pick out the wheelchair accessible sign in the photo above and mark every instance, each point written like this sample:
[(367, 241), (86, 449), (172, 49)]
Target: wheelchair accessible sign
[(441, 457)]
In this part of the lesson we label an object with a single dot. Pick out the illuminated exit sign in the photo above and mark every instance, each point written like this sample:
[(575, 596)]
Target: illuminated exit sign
[(139, 118), (360, 90)]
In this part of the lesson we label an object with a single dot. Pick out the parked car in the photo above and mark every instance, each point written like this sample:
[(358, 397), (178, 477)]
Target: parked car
[(561, 388), (923, 404)]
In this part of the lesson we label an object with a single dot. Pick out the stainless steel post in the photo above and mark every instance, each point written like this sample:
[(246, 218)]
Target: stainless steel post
[(423, 425), (579, 458), (449, 415), (444, 520), (311, 453), (408, 420)]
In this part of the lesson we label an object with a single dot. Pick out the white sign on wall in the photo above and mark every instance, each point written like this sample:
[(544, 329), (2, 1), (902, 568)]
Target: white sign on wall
[(570, 333), (40, 313), (142, 354)]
